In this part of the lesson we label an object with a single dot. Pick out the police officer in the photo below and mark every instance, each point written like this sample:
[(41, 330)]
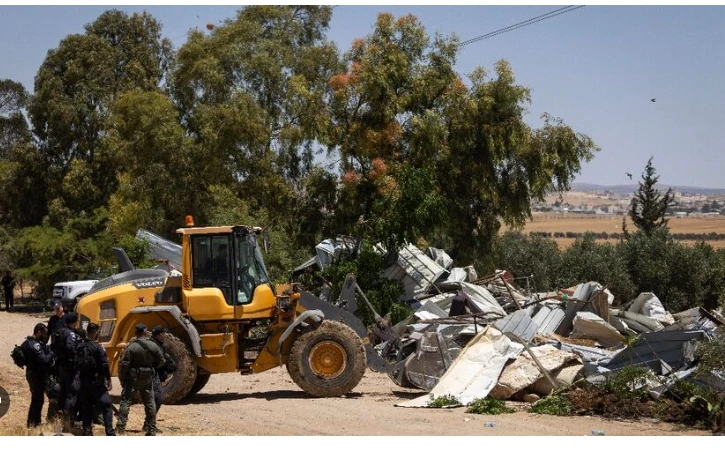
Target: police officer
[(56, 321), (38, 362), (158, 335), (136, 371), (67, 376), (95, 381)]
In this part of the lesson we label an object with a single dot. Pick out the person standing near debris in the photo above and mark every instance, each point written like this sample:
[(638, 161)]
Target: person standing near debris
[(158, 335), (8, 283), (38, 361), (95, 381), (136, 371)]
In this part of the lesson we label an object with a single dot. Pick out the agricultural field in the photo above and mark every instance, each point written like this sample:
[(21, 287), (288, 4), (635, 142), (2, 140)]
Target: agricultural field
[(556, 222)]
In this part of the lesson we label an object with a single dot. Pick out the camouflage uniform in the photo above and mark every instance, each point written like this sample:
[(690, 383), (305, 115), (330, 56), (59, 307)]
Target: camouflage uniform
[(136, 373)]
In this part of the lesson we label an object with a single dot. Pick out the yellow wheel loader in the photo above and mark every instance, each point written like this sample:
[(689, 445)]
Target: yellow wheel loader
[(224, 315)]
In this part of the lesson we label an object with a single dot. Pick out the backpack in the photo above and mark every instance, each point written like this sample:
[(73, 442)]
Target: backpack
[(18, 355), (85, 357), (58, 340)]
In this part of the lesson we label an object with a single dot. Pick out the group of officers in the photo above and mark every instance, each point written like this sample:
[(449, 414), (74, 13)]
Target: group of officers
[(74, 372)]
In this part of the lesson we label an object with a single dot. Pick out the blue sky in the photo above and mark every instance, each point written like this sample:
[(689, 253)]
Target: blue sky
[(596, 67)]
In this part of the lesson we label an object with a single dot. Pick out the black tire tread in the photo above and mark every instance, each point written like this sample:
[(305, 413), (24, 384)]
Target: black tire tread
[(298, 368), (199, 383), (184, 377)]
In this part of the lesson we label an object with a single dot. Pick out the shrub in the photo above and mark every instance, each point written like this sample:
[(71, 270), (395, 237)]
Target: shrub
[(488, 406), (443, 401), (554, 404), (629, 383)]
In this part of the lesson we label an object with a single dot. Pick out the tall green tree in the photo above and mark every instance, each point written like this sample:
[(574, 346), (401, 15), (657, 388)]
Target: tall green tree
[(23, 174), (649, 206), (426, 155), (74, 89), (160, 177), (252, 93)]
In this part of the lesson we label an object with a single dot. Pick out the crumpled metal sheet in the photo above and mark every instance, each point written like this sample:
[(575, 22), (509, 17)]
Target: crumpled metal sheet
[(524, 372), (160, 248), (649, 305), (440, 257), (483, 301), (476, 370), (589, 354), (433, 357), (651, 349), (416, 271), (590, 325)]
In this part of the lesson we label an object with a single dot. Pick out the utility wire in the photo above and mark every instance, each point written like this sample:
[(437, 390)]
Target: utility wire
[(533, 20)]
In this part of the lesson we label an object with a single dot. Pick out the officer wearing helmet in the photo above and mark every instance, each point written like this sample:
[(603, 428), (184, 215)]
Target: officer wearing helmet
[(141, 358)]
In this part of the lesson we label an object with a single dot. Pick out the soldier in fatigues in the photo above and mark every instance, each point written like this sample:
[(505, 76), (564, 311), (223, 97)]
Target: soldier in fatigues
[(95, 378), (38, 363), (136, 372)]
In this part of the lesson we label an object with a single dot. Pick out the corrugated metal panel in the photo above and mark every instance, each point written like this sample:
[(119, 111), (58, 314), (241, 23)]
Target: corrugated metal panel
[(549, 318), (651, 348), (416, 271), (519, 324)]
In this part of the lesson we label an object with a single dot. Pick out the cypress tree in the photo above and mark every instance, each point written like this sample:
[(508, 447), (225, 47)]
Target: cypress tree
[(648, 207)]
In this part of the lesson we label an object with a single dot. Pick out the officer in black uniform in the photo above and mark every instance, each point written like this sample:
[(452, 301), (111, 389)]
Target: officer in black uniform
[(95, 379), (38, 363), (56, 321), (158, 335), (69, 382)]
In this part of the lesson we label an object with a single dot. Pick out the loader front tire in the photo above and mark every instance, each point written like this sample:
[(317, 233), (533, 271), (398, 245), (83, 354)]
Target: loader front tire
[(199, 383), (180, 383), (327, 361)]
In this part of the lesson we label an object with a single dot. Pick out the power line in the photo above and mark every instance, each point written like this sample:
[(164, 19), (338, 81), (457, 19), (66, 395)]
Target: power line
[(533, 20)]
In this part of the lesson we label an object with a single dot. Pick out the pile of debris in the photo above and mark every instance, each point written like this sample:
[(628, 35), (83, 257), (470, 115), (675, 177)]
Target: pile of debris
[(472, 337)]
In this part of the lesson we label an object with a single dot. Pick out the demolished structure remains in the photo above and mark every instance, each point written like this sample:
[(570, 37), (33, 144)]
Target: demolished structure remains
[(474, 337)]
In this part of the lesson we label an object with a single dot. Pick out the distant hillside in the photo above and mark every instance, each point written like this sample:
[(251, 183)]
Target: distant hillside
[(631, 188)]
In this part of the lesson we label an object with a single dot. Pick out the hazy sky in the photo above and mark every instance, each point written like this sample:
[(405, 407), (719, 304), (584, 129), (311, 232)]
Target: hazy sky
[(596, 67)]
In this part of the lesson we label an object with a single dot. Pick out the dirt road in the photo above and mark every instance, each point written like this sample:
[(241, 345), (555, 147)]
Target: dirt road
[(271, 404)]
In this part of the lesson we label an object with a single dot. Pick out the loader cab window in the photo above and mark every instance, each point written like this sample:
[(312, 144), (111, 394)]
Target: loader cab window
[(211, 263), (249, 266)]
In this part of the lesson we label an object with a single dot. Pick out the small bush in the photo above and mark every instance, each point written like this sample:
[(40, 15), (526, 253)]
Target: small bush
[(554, 404), (443, 401), (488, 406), (629, 383)]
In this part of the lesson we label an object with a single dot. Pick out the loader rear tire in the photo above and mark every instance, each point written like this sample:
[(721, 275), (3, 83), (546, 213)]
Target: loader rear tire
[(182, 380), (327, 361)]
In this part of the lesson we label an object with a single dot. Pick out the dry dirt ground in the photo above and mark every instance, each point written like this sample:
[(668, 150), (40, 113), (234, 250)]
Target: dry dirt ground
[(271, 404)]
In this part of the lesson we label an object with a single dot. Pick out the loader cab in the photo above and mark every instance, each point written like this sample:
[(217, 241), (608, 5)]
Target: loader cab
[(228, 260)]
